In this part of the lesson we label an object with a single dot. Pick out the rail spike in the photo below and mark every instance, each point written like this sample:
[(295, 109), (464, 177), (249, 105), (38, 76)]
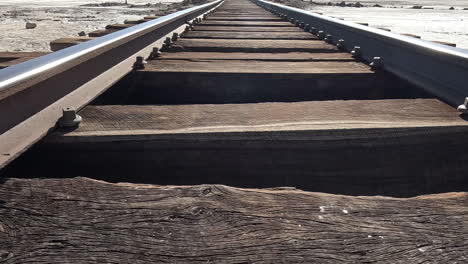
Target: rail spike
[(377, 63), (463, 108), (341, 44), (69, 119), (139, 63), (356, 52)]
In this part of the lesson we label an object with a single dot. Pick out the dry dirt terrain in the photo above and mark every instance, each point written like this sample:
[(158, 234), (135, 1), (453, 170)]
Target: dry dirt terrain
[(65, 18)]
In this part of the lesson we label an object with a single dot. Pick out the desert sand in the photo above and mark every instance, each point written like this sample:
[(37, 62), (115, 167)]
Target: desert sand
[(65, 18), (435, 21), (62, 18)]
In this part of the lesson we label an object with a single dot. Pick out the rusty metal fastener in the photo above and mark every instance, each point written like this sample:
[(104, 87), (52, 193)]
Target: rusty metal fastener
[(464, 107), (168, 41), (155, 53), (356, 52), (377, 63), (175, 36), (321, 34), (341, 44), (69, 118), (139, 63)]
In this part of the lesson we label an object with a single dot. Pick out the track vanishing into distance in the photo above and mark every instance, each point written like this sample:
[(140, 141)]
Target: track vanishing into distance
[(247, 95)]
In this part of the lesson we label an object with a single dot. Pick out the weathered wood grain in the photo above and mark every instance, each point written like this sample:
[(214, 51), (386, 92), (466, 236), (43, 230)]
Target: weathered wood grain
[(84, 221), (248, 35), (244, 18), (101, 32), (390, 147), (290, 56), (247, 81), (8, 59), (251, 45), (108, 120), (119, 26), (241, 66), (138, 21), (63, 43), (246, 23), (247, 29)]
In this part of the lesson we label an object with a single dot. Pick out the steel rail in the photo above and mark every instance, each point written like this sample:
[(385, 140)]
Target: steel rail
[(33, 93), (439, 69)]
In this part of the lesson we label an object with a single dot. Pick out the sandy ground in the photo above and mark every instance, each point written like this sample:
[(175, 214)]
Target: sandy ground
[(439, 25), (61, 18), (65, 18)]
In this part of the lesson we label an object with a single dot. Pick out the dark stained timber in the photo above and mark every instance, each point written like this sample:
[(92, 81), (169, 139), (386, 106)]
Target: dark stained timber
[(85, 221)]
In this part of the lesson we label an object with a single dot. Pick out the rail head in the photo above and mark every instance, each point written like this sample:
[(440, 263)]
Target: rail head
[(440, 69), (33, 93)]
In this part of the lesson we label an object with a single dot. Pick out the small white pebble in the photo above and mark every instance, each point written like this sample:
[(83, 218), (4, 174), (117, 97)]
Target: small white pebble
[(322, 209), (369, 236), (345, 211), (381, 237), (320, 217), (421, 249)]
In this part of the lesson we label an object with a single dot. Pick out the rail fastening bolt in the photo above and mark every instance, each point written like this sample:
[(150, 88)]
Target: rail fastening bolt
[(155, 53), (356, 52), (313, 30), (377, 63), (321, 34), (464, 107), (306, 27), (175, 36), (341, 44), (168, 42), (328, 38), (69, 118), (139, 63)]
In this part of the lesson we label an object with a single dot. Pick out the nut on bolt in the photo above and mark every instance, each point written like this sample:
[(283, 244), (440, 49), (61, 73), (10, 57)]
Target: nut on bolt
[(356, 52), (464, 107), (69, 118), (341, 44), (321, 34), (155, 53), (328, 38), (175, 36), (168, 41), (377, 63), (313, 30), (139, 63)]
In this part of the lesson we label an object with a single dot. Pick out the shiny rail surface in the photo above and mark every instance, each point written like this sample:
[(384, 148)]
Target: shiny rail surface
[(33, 93), (440, 69)]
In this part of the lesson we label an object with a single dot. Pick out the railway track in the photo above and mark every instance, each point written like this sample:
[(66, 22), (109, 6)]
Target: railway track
[(249, 94)]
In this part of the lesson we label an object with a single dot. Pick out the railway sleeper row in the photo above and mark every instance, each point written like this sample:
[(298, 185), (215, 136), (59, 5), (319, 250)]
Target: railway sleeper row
[(248, 99)]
